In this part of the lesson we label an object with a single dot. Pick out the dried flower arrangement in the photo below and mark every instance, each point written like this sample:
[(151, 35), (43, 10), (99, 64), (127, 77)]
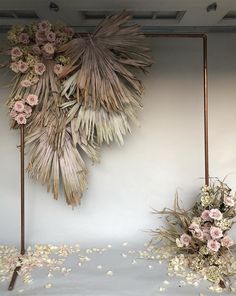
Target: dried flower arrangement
[(196, 243), (74, 92)]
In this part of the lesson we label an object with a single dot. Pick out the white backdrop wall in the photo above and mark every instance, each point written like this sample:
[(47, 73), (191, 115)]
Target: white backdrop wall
[(163, 155)]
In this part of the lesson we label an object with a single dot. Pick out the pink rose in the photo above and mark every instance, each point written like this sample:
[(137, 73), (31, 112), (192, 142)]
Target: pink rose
[(205, 215), (185, 239), (228, 201), (39, 68), (216, 232), (40, 36), (25, 83), (51, 36), (215, 214), (27, 111), (36, 49), (193, 226), (213, 245), (19, 106), (44, 26), (49, 48), (22, 66), (206, 235), (13, 113), (32, 99), (227, 241), (198, 234), (24, 38), (20, 118), (58, 41), (58, 69), (16, 52), (14, 67)]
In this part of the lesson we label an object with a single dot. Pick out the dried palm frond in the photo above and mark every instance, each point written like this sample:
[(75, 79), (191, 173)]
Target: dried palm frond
[(102, 78), (53, 141), (47, 164)]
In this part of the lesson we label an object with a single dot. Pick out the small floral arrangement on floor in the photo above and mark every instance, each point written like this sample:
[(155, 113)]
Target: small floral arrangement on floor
[(197, 241)]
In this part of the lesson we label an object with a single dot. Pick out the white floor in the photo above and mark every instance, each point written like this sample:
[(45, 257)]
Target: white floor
[(116, 272)]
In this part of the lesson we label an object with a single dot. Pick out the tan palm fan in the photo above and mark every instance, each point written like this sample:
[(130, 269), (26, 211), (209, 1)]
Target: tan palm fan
[(92, 101), (103, 84)]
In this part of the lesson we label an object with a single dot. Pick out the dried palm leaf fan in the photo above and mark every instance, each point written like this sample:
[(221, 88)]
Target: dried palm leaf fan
[(102, 82), (74, 93)]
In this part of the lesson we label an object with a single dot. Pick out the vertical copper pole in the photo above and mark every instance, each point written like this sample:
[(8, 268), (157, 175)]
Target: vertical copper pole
[(206, 145), (22, 184), (22, 180)]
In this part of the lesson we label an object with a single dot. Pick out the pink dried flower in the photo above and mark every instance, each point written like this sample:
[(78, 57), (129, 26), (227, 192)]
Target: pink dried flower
[(198, 234), (215, 214), (36, 49), (193, 227), (185, 239), (32, 99), (19, 106), (13, 113), (22, 66), (39, 68), (25, 83), (216, 232), (205, 215), (228, 201), (20, 118), (206, 234), (213, 245), (40, 36), (24, 38), (16, 52), (14, 67), (58, 69), (51, 36), (227, 241), (44, 26), (27, 110), (49, 48), (58, 41)]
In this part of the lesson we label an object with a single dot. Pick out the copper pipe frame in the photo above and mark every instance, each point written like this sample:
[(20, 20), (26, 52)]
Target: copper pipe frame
[(206, 148)]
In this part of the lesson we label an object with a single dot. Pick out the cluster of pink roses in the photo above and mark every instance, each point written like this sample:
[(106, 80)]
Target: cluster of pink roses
[(205, 228), (30, 48), (22, 109)]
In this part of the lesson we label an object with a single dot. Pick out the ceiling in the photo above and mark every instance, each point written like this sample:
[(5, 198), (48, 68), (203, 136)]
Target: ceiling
[(152, 15)]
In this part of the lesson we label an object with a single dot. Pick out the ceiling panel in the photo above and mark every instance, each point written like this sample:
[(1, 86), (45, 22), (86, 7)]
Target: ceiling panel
[(159, 15)]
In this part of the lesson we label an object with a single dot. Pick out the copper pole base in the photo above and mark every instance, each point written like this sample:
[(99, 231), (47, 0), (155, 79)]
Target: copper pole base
[(22, 216), (13, 278)]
